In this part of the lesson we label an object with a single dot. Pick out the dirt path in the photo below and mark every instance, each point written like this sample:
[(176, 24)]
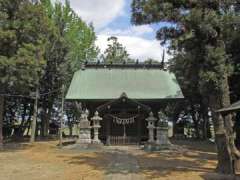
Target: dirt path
[(44, 161), (123, 165)]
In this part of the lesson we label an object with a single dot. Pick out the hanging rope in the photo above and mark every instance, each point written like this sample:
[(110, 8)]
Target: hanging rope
[(123, 121)]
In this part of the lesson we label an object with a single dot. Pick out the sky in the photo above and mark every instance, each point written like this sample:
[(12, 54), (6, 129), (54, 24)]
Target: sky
[(113, 18)]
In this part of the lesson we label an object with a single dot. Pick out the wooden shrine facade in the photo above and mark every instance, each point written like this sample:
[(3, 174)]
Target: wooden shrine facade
[(123, 96)]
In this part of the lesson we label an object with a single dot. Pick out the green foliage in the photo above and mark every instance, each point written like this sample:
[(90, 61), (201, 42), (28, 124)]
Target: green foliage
[(201, 37), (41, 46), (116, 53), (196, 36), (72, 42), (22, 44)]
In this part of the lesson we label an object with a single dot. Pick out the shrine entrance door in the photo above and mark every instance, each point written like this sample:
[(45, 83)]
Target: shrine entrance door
[(123, 121), (125, 129)]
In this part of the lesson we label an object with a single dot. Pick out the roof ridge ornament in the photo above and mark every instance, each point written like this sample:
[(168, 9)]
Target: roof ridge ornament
[(123, 65)]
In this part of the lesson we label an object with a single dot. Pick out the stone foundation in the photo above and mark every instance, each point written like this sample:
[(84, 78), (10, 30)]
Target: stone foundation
[(162, 136), (84, 136)]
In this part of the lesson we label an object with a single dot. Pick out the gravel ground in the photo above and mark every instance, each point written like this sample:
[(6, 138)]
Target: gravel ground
[(191, 160)]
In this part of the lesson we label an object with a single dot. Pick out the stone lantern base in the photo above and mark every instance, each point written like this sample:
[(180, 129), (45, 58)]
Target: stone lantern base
[(97, 142), (162, 141), (162, 136), (84, 136), (85, 147), (156, 147)]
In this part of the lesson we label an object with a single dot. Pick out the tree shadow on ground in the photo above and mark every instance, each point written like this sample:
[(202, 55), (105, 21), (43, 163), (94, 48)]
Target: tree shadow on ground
[(12, 144), (159, 165), (15, 146), (152, 165), (196, 145), (22, 143), (107, 161), (216, 176), (197, 159)]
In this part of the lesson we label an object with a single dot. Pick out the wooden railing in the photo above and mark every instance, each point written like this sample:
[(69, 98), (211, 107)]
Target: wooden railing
[(121, 140)]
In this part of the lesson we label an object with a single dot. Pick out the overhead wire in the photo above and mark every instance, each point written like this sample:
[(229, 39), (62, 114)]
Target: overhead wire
[(25, 96)]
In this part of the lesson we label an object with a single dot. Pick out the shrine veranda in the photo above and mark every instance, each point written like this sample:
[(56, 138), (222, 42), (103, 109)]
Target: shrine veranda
[(117, 100)]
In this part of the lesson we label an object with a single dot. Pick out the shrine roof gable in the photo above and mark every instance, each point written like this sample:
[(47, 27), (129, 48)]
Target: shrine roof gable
[(138, 83)]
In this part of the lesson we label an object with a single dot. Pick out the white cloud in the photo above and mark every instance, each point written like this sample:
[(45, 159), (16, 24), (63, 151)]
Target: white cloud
[(103, 12), (130, 31), (137, 47), (99, 12)]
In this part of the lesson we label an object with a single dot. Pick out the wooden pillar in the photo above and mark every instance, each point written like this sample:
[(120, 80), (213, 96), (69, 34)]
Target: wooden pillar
[(108, 121)]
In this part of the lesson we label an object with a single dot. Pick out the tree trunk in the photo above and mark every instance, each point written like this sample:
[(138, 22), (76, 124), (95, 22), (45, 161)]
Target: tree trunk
[(1, 120), (204, 116), (225, 161), (237, 130), (229, 126), (223, 128), (231, 138), (46, 116), (42, 117), (62, 118), (34, 121), (221, 140), (28, 122), (195, 122), (205, 128), (21, 128), (70, 125), (47, 120), (71, 130)]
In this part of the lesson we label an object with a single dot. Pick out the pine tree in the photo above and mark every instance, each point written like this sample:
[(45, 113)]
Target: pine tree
[(197, 39), (71, 43), (22, 47), (116, 52)]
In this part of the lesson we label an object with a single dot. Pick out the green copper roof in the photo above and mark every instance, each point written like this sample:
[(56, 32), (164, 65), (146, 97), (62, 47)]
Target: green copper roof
[(104, 83)]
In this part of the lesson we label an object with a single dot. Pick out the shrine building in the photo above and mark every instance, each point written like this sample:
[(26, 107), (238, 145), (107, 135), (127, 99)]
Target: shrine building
[(123, 95)]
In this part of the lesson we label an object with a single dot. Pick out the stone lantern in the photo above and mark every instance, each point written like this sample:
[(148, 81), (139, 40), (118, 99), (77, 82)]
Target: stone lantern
[(84, 136), (151, 126), (162, 130), (96, 125)]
